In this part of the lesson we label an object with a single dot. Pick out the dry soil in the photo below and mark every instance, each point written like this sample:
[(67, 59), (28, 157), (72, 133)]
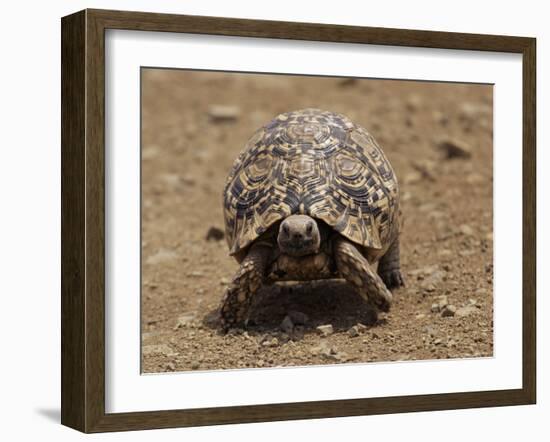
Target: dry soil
[(438, 138)]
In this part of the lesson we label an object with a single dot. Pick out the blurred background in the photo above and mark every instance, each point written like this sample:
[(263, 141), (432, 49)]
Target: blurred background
[(438, 138)]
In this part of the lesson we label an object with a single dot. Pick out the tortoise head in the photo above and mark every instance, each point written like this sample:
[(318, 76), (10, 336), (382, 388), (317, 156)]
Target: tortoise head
[(299, 236)]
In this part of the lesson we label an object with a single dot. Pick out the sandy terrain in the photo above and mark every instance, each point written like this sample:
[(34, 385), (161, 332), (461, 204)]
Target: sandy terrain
[(188, 147)]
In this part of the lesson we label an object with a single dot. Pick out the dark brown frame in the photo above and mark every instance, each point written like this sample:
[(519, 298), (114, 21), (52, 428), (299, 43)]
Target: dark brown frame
[(83, 215)]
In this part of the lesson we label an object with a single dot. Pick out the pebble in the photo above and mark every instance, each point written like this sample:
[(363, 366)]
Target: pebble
[(320, 349), (170, 366), (448, 311), (466, 230), (481, 292), (171, 179), (466, 311), (274, 342), (414, 102), (214, 234), (425, 168), (162, 256), (466, 253), (353, 331), (150, 152), (423, 271), (443, 302), (435, 308), (453, 148), (325, 330), (219, 113), (362, 328), (185, 320), (427, 287), (161, 349)]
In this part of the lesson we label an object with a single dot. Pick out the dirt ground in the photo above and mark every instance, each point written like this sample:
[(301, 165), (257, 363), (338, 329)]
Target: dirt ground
[(438, 137)]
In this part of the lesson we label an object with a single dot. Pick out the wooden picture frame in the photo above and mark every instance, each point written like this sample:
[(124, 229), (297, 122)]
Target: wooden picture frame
[(83, 220)]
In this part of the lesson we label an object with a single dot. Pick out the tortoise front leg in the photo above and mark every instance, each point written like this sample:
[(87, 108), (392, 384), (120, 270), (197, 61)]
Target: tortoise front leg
[(355, 268), (246, 282)]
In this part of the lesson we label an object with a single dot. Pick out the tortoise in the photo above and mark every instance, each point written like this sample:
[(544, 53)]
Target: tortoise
[(311, 196)]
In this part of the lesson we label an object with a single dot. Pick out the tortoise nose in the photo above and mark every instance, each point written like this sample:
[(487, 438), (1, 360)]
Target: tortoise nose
[(297, 236)]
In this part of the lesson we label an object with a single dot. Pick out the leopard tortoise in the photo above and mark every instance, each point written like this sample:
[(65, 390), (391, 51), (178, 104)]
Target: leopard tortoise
[(311, 196)]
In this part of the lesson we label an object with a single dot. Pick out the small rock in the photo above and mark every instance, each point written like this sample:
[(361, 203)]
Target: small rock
[(414, 103), (435, 308), (195, 365), (436, 277), (214, 234), (473, 111), (443, 302), (188, 179), (412, 177), (321, 349), (224, 281), (466, 311), (353, 331), (448, 311), (171, 179), (185, 320), (162, 256), (423, 271), (427, 287), (340, 356), (440, 117), (362, 328), (420, 316), (287, 325), (466, 230), (170, 366), (149, 152), (273, 342), (481, 292), (325, 330), (466, 253), (425, 169), (431, 331), (162, 349), (220, 113), (455, 149)]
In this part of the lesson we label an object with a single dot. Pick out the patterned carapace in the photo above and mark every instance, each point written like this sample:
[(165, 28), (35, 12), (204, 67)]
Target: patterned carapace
[(316, 163)]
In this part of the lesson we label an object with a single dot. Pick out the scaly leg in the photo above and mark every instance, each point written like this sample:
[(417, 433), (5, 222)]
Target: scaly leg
[(355, 268), (389, 267), (245, 283)]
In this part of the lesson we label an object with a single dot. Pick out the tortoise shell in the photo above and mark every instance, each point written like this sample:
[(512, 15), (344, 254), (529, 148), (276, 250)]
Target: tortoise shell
[(316, 163)]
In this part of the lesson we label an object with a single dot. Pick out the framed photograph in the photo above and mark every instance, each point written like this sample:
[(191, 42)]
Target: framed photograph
[(269, 220)]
